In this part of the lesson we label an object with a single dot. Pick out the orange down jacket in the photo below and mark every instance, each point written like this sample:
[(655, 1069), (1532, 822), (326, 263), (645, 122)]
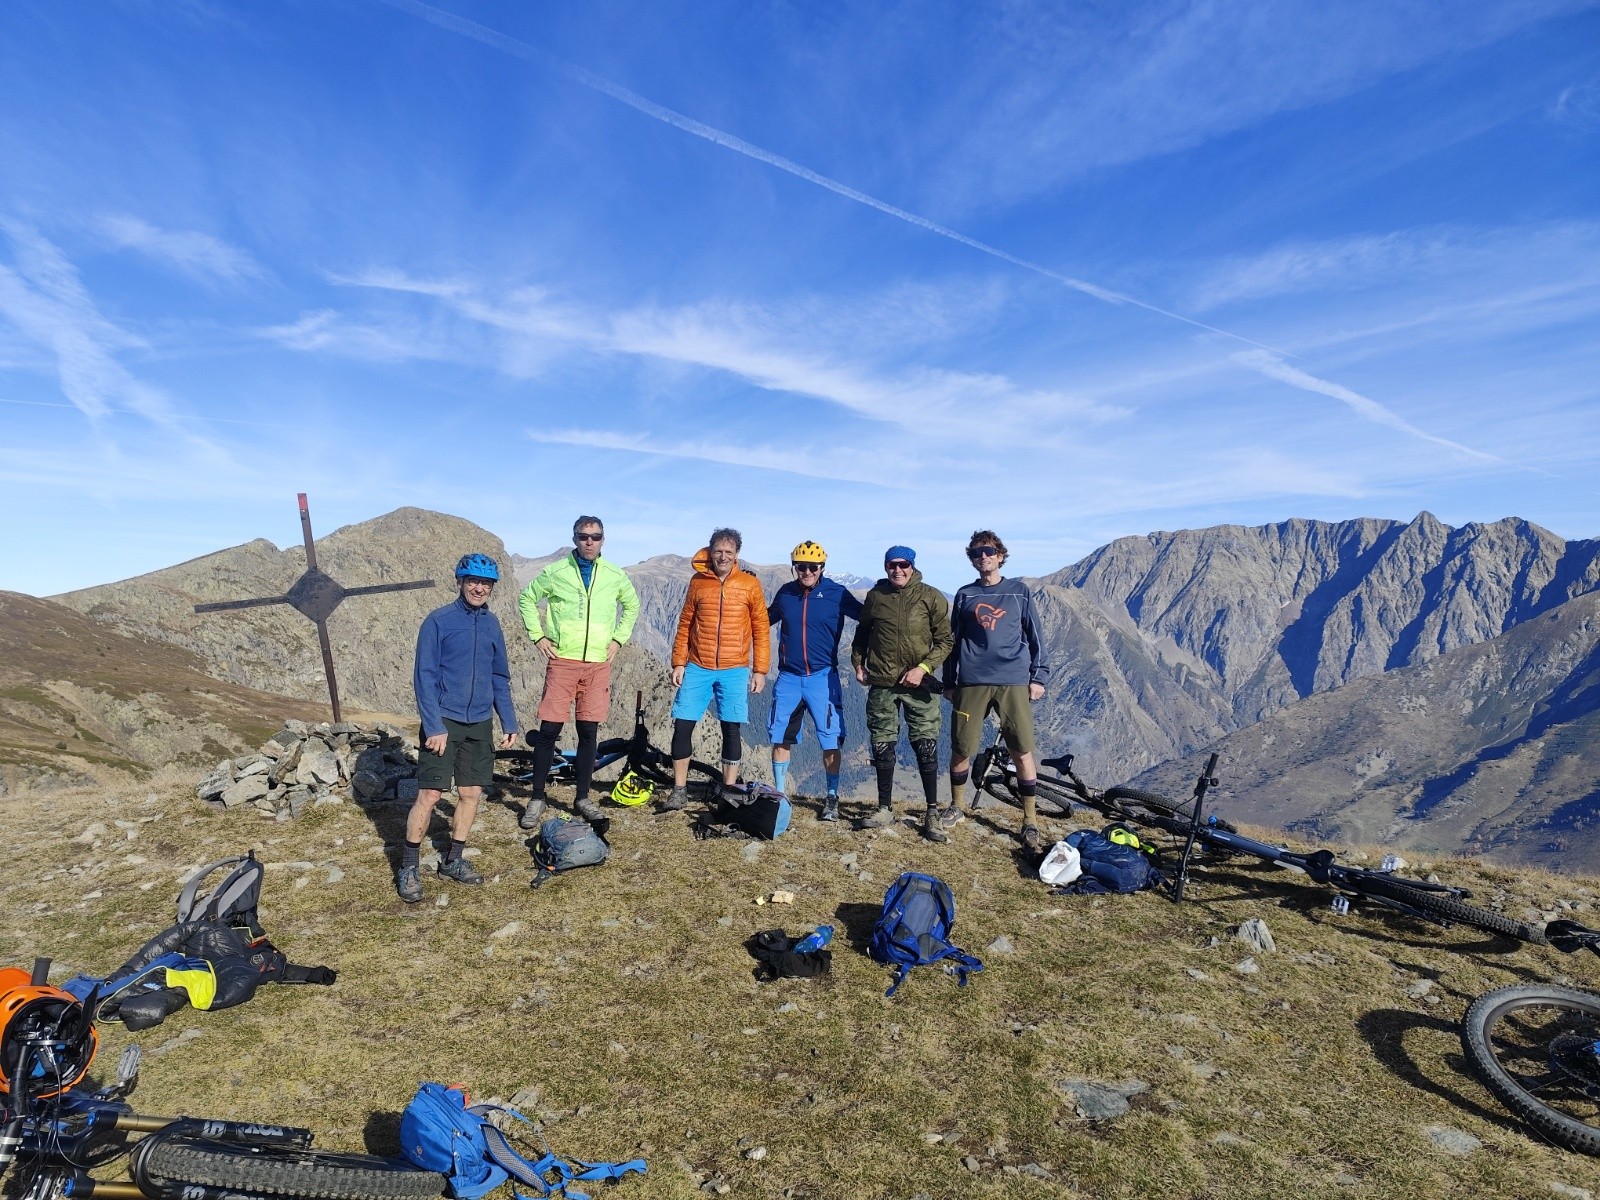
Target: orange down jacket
[(722, 620)]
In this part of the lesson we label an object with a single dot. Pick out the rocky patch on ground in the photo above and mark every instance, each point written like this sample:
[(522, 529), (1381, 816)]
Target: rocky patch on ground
[(316, 764)]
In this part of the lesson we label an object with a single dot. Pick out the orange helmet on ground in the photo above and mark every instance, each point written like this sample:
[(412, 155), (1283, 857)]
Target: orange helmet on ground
[(41, 1014)]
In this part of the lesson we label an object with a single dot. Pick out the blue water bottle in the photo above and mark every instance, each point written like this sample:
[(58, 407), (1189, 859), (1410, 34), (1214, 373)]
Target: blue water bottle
[(815, 940)]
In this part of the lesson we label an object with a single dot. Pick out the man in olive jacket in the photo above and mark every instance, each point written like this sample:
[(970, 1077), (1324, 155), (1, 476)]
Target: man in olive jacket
[(579, 637), (902, 637)]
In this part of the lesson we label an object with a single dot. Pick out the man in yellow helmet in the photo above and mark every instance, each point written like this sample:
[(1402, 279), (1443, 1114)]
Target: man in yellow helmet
[(811, 612)]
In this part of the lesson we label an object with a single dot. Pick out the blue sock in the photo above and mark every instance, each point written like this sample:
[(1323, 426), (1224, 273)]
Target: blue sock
[(780, 774), (833, 783)]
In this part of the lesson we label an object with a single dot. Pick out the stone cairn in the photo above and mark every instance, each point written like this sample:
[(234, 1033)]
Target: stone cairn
[(317, 764)]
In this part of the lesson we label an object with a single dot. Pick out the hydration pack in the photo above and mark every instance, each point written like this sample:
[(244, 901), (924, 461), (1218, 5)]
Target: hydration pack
[(440, 1131), (757, 809), (232, 902), (914, 929), (563, 844)]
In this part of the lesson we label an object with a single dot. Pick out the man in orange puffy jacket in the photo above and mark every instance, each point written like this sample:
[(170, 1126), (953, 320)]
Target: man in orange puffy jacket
[(722, 633)]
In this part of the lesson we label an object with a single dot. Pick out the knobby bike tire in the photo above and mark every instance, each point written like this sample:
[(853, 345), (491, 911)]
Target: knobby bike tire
[(1055, 799), (1445, 906), (276, 1170), (1498, 1014), (1150, 800)]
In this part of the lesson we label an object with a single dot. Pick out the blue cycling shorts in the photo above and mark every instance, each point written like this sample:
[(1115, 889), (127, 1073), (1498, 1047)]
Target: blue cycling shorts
[(729, 687), (818, 694)]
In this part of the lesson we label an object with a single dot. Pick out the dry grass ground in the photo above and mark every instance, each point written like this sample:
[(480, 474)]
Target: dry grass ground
[(625, 996)]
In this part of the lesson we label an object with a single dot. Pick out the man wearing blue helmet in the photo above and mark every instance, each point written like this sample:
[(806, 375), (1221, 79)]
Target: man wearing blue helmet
[(462, 679)]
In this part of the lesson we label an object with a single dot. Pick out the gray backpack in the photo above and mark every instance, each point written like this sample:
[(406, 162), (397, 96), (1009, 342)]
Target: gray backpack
[(563, 844)]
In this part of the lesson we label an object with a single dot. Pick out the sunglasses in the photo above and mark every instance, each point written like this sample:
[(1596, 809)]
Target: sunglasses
[(588, 537), (983, 552), (474, 581), (898, 564), (806, 566)]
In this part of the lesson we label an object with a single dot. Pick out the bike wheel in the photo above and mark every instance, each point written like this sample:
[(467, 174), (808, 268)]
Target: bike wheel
[(513, 766), (1141, 799), (1443, 906), (1533, 1046), (276, 1170)]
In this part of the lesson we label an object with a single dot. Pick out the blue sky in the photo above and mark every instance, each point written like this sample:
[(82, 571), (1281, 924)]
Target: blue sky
[(863, 273)]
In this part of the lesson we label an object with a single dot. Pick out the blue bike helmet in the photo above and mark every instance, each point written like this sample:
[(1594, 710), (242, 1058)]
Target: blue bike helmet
[(479, 566)]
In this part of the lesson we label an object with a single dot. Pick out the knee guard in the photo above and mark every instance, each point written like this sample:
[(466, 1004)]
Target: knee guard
[(588, 733), (732, 747), (883, 754), (927, 752), (548, 733), (682, 738)]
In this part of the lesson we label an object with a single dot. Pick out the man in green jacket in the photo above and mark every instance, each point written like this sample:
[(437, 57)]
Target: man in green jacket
[(579, 636), (902, 637)]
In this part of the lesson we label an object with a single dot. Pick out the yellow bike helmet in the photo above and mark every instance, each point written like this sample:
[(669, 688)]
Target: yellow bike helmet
[(808, 552), (631, 791)]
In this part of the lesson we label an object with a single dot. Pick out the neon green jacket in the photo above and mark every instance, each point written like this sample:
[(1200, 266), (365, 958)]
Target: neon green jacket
[(581, 622)]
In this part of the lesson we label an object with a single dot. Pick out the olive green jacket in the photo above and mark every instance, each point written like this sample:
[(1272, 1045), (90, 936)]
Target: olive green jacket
[(898, 630)]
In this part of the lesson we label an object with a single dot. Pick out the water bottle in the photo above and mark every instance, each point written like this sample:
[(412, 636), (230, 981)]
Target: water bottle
[(815, 940)]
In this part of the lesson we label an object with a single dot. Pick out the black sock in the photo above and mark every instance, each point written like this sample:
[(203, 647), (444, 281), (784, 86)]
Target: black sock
[(410, 855), (457, 845)]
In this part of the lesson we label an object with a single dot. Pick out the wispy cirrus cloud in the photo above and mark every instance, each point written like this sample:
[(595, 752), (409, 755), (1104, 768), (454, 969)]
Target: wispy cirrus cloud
[(1487, 260), (764, 346), (837, 464), (195, 254), (44, 298)]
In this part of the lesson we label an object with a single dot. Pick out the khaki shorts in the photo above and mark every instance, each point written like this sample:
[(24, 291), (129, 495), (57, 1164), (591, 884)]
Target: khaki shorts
[(468, 757), (569, 681), (884, 705), (970, 705)]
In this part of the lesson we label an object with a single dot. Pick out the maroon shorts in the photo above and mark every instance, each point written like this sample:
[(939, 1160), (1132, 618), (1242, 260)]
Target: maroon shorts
[(570, 680)]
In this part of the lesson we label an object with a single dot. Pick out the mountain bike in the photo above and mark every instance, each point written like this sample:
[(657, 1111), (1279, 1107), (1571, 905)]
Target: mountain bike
[(636, 753), (1537, 1048), (55, 1127), (1439, 903)]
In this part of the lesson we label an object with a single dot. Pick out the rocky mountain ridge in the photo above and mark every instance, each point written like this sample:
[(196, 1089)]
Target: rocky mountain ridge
[(1486, 749)]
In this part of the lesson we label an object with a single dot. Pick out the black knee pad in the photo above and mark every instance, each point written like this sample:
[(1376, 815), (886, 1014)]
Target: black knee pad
[(682, 738), (548, 733), (883, 754), (732, 747), (588, 732), (927, 752)]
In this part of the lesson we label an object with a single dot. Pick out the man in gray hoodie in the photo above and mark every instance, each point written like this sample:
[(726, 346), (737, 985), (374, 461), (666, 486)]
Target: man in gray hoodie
[(998, 666)]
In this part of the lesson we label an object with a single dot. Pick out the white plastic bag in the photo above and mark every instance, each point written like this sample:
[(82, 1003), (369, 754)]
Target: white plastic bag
[(1061, 865)]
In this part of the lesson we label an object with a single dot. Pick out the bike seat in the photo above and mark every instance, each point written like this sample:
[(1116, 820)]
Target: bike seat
[(1061, 764)]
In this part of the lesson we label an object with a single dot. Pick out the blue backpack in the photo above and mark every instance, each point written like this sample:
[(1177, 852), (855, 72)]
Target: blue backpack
[(440, 1132), (1109, 867), (914, 929)]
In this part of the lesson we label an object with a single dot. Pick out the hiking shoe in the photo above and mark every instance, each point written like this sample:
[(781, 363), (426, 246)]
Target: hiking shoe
[(1032, 839), (881, 819), (532, 815), (830, 809), (930, 826), (673, 800), (589, 810), (461, 871), (408, 882), (950, 816)]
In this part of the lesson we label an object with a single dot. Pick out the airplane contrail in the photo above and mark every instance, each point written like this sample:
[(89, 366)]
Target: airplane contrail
[(659, 112)]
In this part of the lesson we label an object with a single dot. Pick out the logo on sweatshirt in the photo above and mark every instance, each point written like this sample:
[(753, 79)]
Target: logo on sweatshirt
[(988, 615)]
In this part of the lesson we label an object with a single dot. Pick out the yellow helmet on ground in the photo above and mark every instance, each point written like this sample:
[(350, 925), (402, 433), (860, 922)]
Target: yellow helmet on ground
[(631, 791), (808, 552)]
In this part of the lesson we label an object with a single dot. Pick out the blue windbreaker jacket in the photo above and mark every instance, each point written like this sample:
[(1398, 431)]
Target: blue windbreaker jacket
[(462, 670), (813, 622)]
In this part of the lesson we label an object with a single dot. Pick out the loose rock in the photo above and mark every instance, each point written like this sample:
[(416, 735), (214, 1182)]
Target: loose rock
[(1452, 1141)]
